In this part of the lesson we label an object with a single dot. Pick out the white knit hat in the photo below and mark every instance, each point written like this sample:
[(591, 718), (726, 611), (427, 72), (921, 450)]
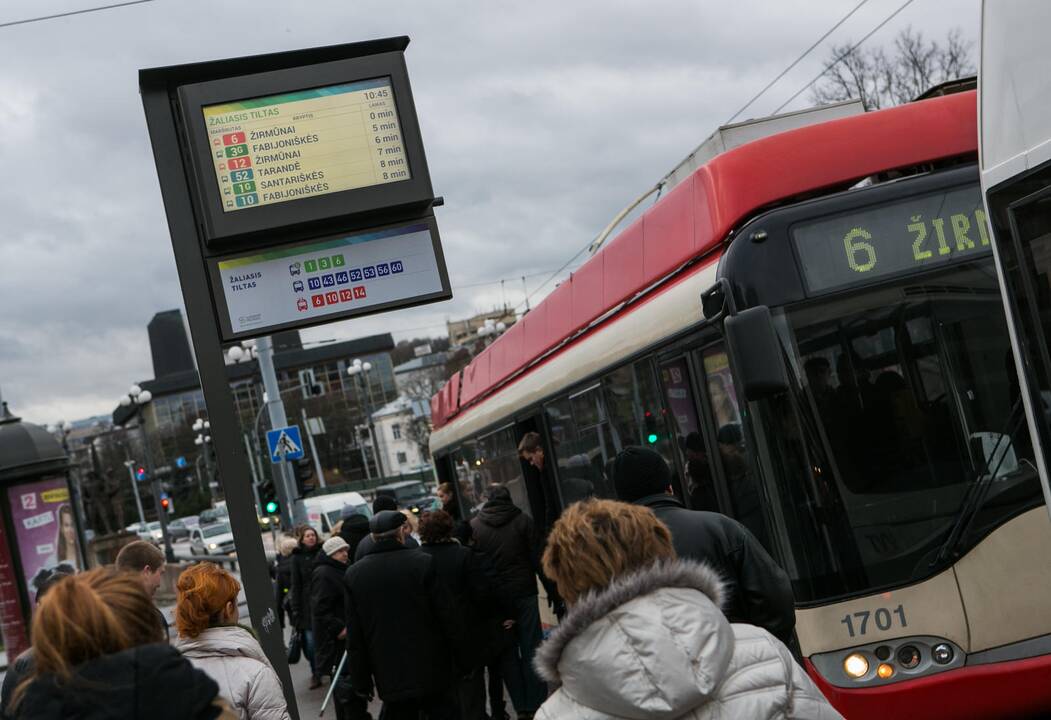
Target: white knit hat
[(333, 545)]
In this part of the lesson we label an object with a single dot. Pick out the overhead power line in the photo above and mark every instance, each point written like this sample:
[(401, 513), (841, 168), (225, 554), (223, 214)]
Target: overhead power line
[(85, 11), (853, 47), (795, 62)]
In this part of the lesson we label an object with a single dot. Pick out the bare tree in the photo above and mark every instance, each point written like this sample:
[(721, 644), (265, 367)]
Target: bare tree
[(420, 388), (880, 79)]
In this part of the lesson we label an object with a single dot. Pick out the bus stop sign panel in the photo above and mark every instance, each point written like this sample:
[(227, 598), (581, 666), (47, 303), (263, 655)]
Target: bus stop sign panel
[(308, 185)]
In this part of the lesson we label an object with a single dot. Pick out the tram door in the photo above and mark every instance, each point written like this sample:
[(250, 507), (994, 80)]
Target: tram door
[(1015, 161)]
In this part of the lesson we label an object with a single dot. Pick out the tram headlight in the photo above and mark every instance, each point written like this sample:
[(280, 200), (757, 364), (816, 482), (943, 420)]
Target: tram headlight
[(856, 665), (943, 653), (885, 671)]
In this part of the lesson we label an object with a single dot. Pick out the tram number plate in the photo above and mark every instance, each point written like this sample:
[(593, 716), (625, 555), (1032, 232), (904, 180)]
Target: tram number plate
[(883, 619)]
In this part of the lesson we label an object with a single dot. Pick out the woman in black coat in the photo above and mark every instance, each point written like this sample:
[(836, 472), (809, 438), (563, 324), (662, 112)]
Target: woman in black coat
[(329, 608), (303, 558), (281, 571)]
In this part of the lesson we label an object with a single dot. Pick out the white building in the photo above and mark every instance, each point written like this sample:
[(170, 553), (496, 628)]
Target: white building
[(394, 423)]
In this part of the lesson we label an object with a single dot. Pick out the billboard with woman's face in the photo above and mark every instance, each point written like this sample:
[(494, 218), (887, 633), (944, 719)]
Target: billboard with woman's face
[(44, 528)]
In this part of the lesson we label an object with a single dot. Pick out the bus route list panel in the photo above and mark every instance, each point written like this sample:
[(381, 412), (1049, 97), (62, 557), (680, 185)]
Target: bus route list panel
[(335, 276), (285, 147)]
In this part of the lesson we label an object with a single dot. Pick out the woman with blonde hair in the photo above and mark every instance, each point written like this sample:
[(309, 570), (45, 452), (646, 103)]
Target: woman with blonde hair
[(206, 616), (644, 636), (99, 653)]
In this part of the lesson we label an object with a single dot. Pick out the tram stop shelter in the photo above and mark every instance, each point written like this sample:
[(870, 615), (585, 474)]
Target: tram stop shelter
[(38, 524)]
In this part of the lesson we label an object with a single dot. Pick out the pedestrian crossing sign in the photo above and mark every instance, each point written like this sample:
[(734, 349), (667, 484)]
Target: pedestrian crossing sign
[(284, 443)]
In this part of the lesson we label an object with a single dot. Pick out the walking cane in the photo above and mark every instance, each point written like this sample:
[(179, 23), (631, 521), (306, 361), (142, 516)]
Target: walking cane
[(332, 686)]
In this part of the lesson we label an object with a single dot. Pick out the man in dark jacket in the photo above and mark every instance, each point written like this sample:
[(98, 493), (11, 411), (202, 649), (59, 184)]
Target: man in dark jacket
[(381, 503), (484, 612), (401, 627), (507, 536), (758, 590)]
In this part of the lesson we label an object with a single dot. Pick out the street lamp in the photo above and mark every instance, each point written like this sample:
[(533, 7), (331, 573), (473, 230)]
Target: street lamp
[(139, 397), (203, 440), (359, 371)]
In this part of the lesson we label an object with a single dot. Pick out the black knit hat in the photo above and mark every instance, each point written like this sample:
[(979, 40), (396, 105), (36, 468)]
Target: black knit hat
[(638, 472), (384, 502)]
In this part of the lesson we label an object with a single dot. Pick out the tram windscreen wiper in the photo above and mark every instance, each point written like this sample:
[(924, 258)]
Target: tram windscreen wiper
[(979, 488)]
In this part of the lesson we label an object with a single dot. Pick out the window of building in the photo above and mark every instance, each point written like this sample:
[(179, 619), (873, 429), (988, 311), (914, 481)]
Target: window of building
[(402, 458), (395, 430)]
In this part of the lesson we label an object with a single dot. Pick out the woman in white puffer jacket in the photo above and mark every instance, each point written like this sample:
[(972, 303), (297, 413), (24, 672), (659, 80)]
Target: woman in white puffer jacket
[(206, 615), (644, 637)]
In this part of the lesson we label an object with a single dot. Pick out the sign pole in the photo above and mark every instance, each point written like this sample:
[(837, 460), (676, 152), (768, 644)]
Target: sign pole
[(215, 384), (275, 406)]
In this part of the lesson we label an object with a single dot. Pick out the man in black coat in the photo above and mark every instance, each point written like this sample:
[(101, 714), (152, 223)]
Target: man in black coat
[(758, 590), (506, 535), (402, 629), (381, 503), (484, 612)]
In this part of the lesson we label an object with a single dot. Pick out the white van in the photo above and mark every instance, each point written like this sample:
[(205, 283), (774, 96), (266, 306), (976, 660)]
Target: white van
[(324, 511)]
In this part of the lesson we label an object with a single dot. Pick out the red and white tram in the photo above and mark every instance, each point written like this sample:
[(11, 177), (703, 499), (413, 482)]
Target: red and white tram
[(879, 449)]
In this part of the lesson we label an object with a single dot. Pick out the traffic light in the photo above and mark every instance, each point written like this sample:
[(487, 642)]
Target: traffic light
[(304, 470), (166, 503), (651, 428), (271, 507), (140, 473)]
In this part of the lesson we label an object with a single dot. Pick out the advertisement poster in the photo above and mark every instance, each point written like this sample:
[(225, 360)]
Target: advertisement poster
[(12, 624), (44, 528)]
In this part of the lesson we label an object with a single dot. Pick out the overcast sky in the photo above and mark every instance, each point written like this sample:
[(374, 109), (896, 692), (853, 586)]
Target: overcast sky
[(540, 120)]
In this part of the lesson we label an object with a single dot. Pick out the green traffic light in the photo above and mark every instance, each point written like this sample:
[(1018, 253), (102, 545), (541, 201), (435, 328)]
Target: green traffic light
[(271, 507), (652, 438)]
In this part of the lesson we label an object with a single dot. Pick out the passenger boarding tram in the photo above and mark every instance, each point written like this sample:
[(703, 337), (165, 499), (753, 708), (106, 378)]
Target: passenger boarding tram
[(809, 328)]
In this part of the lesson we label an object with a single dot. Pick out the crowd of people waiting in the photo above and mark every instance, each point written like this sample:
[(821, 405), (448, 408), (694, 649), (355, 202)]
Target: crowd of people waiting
[(664, 612)]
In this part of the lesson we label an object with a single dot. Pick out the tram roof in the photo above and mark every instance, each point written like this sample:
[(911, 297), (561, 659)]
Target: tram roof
[(695, 218)]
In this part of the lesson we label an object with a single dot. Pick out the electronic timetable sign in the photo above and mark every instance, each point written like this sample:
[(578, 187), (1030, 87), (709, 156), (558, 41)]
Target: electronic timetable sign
[(307, 186), (301, 147), (306, 143)]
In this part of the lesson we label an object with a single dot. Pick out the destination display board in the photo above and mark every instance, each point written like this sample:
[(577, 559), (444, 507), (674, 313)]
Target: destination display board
[(342, 276), (891, 238), (316, 141)]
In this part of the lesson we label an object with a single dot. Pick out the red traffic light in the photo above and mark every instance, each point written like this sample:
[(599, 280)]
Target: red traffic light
[(140, 473), (165, 502)]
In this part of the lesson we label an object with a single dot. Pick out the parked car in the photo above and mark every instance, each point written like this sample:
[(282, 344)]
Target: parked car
[(215, 514), (215, 539), (324, 511), (409, 494), (150, 531), (268, 522), (179, 529)]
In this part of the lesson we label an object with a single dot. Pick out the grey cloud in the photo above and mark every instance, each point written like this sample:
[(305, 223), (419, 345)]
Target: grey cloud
[(541, 121)]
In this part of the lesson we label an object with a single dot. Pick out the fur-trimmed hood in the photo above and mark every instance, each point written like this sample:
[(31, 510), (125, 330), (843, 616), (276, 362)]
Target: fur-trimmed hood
[(654, 644)]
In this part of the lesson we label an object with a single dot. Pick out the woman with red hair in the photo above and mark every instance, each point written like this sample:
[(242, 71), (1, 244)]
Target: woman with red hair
[(206, 616)]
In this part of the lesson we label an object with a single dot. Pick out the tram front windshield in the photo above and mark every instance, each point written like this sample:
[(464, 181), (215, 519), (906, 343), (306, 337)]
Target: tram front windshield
[(903, 398)]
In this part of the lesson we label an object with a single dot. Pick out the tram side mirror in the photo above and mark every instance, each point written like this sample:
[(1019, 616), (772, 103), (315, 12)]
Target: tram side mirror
[(756, 352)]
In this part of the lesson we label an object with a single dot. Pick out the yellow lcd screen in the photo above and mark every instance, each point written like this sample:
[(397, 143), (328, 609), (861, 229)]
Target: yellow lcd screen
[(299, 144)]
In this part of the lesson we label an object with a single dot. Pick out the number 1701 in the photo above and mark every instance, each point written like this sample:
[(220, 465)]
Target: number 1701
[(883, 618)]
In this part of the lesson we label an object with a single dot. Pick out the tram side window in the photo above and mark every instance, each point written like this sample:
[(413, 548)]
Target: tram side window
[(745, 496), (678, 393), (636, 413), (583, 444), (496, 463)]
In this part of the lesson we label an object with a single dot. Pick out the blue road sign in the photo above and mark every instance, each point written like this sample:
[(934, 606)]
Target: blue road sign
[(284, 443)]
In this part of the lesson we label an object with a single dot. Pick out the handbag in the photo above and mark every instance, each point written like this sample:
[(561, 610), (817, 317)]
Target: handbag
[(295, 647)]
